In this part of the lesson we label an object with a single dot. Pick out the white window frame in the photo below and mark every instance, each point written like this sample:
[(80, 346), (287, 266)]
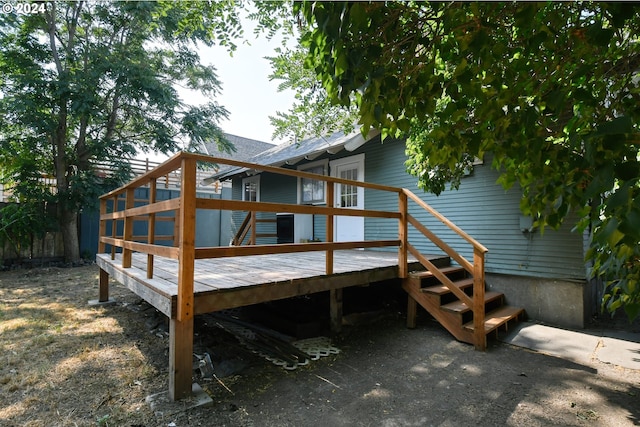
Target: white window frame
[(325, 171), (251, 179)]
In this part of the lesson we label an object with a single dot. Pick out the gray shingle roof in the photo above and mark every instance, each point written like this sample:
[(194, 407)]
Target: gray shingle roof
[(245, 148)]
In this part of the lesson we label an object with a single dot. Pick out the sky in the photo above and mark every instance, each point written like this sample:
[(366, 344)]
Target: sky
[(247, 93), (246, 90)]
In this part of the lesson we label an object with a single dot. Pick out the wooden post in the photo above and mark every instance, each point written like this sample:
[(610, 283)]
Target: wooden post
[(335, 310), (403, 265), (103, 293), (128, 228), (329, 228), (181, 328), (480, 337), (412, 311), (252, 239), (180, 358), (176, 228), (335, 295), (102, 229), (114, 227), (151, 227)]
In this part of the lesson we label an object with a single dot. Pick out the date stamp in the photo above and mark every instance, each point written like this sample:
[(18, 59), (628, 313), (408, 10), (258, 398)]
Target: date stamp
[(23, 8)]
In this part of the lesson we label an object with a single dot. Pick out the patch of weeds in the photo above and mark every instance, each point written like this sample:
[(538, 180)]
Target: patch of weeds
[(103, 421)]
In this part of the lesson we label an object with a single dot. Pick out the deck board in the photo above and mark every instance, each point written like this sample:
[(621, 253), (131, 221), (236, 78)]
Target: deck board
[(236, 281)]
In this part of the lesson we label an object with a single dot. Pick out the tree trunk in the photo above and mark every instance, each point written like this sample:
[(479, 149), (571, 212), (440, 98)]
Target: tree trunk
[(69, 227)]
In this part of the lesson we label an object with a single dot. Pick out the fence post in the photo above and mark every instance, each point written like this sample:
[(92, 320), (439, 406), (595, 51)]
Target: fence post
[(480, 337)]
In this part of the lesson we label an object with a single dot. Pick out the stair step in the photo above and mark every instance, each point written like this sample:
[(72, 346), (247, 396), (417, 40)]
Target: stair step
[(496, 318), (444, 270), (442, 289), (461, 307)]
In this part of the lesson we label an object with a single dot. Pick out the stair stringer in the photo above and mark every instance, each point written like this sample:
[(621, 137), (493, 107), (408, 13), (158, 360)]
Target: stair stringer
[(450, 321)]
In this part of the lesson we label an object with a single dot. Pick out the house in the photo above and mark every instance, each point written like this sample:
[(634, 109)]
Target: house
[(544, 273), (243, 148)]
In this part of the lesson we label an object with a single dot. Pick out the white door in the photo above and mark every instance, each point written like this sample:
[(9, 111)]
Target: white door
[(348, 228)]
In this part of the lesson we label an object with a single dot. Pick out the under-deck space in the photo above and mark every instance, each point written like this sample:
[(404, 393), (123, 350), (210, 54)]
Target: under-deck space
[(223, 283)]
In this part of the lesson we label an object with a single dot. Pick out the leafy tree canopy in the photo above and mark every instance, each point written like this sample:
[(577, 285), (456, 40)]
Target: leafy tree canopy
[(83, 83), (312, 113), (551, 89)]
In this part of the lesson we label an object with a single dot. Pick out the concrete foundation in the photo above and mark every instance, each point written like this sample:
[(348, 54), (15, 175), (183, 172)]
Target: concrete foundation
[(162, 405), (564, 303), (98, 303)]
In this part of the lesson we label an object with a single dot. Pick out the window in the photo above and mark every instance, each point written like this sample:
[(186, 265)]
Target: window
[(251, 189), (312, 191)]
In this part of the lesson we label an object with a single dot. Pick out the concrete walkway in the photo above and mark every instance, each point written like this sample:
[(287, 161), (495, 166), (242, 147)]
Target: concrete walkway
[(613, 347)]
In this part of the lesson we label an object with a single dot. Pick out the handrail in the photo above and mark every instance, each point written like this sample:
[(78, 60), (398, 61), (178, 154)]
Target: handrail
[(173, 163), (476, 245)]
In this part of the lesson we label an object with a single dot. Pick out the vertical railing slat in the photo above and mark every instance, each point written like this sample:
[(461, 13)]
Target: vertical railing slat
[(151, 228), (102, 228), (114, 227), (128, 228), (402, 236), (252, 240), (329, 228)]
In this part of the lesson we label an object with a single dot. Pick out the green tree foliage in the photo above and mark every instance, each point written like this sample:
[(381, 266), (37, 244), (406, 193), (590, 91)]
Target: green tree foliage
[(551, 89), (88, 82), (312, 113)]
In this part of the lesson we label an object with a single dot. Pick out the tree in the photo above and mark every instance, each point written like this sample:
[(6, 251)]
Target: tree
[(88, 82), (312, 113), (551, 89)]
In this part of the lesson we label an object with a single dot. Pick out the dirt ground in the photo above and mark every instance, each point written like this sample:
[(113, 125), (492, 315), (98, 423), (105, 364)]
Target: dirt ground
[(63, 363)]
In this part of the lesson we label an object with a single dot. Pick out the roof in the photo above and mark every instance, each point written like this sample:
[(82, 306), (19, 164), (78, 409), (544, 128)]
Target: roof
[(245, 148), (292, 153)]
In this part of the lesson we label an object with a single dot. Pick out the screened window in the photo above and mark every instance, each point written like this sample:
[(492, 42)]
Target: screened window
[(251, 189), (312, 191)]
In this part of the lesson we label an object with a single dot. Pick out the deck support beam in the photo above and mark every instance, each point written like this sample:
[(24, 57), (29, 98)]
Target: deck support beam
[(103, 293), (181, 327), (412, 311), (335, 309), (180, 358)]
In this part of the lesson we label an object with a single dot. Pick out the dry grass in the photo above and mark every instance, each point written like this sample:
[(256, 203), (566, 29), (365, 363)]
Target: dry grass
[(64, 363)]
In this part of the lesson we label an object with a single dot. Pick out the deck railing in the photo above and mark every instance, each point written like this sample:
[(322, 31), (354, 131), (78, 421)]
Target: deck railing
[(184, 218)]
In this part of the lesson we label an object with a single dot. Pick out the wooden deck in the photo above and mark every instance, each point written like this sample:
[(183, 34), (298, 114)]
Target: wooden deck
[(222, 283), (183, 280)]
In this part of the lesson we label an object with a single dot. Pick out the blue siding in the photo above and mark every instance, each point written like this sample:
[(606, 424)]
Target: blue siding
[(484, 210), (481, 207)]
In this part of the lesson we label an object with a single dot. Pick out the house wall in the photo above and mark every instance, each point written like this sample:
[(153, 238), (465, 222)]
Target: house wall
[(484, 210), (273, 188), (542, 272)]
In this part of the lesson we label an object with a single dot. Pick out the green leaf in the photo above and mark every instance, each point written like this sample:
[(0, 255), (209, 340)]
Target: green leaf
[(628, 170), (617, 126)]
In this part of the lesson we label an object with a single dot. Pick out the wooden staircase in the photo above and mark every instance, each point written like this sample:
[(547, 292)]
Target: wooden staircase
[(455, 315)]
